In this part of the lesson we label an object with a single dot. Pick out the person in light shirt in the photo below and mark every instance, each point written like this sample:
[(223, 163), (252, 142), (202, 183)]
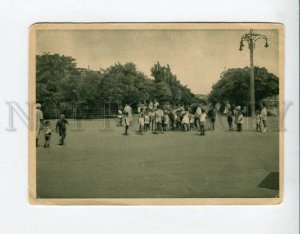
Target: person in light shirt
[(240, 119), (264, 114), (128, 110), (166, 120), (152, 119), (258, 120), (47, 132), (147, 121), (120, 117), (141, 120), (185, 121), (197, 117), (203, 118), (158, 119)]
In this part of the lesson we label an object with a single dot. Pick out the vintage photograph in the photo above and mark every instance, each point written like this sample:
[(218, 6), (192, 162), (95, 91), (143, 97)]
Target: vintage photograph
[(156, 113)]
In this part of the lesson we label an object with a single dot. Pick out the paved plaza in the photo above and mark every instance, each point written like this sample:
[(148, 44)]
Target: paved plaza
[(99, 162)]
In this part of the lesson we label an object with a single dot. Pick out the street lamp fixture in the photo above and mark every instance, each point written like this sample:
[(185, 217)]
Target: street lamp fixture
[(266, 45), (251, 38)]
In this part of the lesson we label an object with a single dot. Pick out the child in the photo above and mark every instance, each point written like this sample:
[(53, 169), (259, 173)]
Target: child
[(212, 118), (197, 117), (172, 119), (47, 131), (230, 115), (185, 121), (158, 119), (126, 122), (141, 120), (236, 111), (166, 121), (62, 128), (264, 114), (179, 117), (147, 121), (258, 121), (120, 117), (152, 119), (192, 121), (203, 117), (240, 120)]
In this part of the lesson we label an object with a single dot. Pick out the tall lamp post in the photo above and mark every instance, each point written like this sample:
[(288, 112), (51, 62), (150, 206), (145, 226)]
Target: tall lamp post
[(251, 38)]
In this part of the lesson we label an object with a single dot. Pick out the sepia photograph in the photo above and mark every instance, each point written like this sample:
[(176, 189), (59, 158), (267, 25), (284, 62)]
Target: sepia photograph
[(156, 113)]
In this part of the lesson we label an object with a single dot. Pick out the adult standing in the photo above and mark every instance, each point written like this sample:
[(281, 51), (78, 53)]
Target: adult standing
[(128, 110), (39, 123)]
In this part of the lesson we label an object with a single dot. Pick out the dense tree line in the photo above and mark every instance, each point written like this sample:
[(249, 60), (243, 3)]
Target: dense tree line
[(59, 80), (234, 84)]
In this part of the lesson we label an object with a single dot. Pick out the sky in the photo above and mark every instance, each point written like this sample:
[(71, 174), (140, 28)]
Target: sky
[(196, 57)]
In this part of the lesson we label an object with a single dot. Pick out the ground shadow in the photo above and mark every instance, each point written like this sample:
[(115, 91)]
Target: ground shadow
[(271, 181)]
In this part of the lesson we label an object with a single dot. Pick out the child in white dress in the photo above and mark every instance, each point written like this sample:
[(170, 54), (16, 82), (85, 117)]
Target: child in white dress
[(185, 121), (192, 121), (47, 132)]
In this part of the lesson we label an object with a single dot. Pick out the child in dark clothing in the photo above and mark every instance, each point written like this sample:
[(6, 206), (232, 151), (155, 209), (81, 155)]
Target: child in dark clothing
[(212, 118), (62, 128)]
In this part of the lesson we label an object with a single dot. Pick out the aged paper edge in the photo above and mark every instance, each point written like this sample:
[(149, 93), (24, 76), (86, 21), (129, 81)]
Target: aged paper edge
[(149, 201)]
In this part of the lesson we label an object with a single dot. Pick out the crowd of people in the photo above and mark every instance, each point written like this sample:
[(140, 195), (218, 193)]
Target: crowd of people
[(159, 119), (235, 115)]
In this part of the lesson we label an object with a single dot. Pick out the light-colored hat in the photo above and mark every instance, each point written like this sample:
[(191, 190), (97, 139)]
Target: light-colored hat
[(38, 105), (238, 107)]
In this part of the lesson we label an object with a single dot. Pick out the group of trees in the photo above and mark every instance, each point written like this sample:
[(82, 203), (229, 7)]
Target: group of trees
[(234, 85), (59, 80)]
